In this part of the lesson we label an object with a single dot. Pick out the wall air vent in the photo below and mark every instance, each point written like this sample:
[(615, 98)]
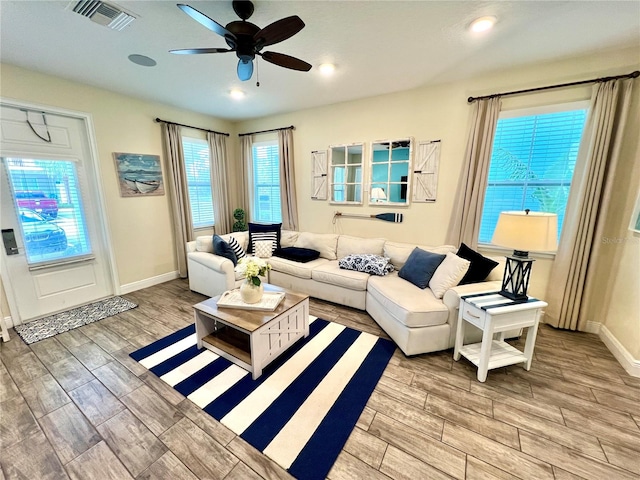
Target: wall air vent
[(107, 14)]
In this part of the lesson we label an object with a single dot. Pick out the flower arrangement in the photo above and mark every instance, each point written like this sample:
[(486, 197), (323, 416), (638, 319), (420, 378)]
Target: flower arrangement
[(252, 268)]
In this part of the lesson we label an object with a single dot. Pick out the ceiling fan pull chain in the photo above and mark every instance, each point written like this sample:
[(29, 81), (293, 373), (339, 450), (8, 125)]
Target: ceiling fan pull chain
[(257, 73), (44, 120)]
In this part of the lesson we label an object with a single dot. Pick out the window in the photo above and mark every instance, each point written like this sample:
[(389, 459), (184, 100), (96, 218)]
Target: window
[(532, 163), (196, 161), (266, 183), (49, 205)]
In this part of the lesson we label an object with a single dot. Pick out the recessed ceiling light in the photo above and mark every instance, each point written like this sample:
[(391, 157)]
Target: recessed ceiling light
[(142, 60), (236, 93), (327, 68), (482, 24)]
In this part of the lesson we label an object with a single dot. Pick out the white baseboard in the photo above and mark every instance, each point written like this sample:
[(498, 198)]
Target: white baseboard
[(630, 364), (593, 327), (147, 282), (8, 321)]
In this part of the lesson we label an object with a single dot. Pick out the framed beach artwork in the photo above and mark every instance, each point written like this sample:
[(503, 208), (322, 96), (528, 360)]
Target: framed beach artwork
[(139, 175), (634, 225)]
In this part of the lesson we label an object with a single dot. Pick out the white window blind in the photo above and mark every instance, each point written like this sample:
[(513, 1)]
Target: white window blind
[(532, 164), (49, 206), (196, 160), (266, 183)]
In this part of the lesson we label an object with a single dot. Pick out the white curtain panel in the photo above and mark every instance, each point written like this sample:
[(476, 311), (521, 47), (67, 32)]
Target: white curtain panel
[(178, 193), (246, 174), (287, 180), (573, 270), (222, 213), (467, 213)]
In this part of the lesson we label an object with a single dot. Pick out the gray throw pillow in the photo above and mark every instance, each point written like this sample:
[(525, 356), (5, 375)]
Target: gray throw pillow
[(420, 267)]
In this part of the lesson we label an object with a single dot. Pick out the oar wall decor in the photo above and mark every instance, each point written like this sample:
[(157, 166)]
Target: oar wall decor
[(387, 217)]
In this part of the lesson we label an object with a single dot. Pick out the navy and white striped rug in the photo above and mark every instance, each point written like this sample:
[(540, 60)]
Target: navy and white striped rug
[(302, 409)]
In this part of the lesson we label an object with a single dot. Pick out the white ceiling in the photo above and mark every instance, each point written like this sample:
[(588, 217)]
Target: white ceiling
[(377, 46)]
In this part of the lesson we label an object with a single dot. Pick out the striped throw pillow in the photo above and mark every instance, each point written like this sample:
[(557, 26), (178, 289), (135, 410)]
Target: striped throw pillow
[(237, 248), (264, 237)]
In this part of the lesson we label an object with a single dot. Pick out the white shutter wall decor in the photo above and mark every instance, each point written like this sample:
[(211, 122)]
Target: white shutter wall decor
[(319, 171), (425, 171)]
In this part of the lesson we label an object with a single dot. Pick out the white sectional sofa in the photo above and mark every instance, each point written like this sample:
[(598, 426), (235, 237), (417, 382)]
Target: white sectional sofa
[(414, 318)]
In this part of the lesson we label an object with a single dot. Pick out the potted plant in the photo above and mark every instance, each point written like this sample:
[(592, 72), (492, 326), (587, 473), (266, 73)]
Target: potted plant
[(239, 225), (252, 268)]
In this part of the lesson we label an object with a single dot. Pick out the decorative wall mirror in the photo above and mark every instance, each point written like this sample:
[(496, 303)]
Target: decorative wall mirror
[(390, 172), (346, 173)]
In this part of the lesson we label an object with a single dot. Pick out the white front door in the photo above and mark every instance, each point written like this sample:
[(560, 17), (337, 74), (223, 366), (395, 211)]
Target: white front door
[(50, 205)]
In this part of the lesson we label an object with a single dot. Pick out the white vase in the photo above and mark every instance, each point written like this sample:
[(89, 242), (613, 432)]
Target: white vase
[(250, 293)]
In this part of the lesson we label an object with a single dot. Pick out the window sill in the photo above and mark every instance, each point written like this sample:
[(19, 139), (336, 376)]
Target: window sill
[(495, 250)]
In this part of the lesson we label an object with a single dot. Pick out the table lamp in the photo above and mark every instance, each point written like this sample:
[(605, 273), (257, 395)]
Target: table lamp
[(377, 194), (524, 232)]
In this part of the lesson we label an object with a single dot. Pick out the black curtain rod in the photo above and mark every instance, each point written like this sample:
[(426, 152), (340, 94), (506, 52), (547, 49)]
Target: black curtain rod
[(561, 85), (159, 120), (291, 127)]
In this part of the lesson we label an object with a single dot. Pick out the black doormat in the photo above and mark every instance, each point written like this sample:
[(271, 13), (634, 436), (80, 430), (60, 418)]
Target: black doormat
[(77, 317)]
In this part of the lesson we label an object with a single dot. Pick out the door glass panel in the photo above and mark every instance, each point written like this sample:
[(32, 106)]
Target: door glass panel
[(49, 205)]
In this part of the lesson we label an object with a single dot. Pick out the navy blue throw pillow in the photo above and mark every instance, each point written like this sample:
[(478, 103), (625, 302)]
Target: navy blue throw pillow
[(480, 267), (297, 254), (420, 267), (222, 248)]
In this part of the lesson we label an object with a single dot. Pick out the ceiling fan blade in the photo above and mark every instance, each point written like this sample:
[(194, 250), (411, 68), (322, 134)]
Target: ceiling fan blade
[(278, 31), (207, 22), (195, 51), (286, 61), (245, 70)]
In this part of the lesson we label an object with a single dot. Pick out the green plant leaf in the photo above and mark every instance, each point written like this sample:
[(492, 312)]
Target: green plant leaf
[(256, 281)]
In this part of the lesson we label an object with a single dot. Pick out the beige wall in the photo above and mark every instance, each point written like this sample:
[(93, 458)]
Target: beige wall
[(140, 228), (441, 112)]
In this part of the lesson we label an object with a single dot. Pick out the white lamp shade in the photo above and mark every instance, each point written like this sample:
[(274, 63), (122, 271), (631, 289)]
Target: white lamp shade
[(530, 232), (377, 193)]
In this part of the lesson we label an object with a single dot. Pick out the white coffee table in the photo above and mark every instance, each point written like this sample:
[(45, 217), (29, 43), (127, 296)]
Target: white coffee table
[(252, 339), (494, 314)]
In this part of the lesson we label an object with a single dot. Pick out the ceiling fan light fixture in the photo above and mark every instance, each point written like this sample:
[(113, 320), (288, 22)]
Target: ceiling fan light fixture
[(327, 69), (236, 93), (483, 24)]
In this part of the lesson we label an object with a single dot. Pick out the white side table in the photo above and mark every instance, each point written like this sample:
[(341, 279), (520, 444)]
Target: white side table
[(494, 314)]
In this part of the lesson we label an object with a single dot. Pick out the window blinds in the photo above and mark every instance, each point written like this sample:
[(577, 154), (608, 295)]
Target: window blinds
[(532, 165), (196, 160)]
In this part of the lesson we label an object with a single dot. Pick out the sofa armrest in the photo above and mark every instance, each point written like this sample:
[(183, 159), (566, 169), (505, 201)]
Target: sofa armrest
[(191, 246), (452, 296), (213, 262)]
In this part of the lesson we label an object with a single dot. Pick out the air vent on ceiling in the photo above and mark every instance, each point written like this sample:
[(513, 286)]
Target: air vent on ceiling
[(107, 14)]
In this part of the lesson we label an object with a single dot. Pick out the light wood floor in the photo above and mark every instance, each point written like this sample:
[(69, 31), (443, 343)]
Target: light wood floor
[(77, 406)]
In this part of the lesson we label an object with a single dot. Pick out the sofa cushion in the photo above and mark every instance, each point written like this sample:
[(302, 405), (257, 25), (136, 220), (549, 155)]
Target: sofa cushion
[(296, 254), (222, 248), (420, 267), (288, 238), (480, 268), (367, 263), (348, 245), (448, 274), (241, 237), (325, 243), (331, 273), (297, 269), (406, 303), (398, 252), (259, 231), (205, 244)]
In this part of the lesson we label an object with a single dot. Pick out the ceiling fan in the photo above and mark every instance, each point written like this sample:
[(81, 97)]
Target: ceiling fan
[(247, 39)]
